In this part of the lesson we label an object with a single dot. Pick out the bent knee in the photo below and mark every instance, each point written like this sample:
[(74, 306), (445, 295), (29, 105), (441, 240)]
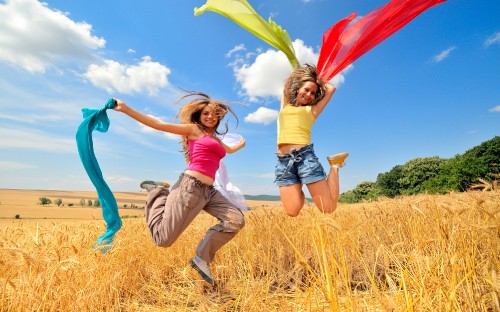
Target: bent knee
[(162, 241), (241, 224), (328, 208), (235, 224), (163, 244), (292, 211), (238, 224)]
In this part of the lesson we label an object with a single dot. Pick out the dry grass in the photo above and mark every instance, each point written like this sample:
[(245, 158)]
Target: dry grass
[(421, 253)]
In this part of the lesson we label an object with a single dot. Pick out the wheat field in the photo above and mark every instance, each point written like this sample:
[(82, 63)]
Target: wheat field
[(419, 253)]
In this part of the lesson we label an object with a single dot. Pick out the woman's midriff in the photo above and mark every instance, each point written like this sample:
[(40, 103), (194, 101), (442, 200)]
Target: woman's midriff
[(200, 176), (285, 149)]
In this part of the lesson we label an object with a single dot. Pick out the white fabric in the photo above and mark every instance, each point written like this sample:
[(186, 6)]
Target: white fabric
[(231, 139), (222, 182), (228, 190)]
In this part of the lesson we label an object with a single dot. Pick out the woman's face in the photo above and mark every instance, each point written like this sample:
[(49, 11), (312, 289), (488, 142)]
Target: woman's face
[(208, 117), (307, 93)]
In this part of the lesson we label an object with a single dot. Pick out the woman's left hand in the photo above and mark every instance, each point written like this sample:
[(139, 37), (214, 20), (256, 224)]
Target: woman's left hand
[(242, 142)]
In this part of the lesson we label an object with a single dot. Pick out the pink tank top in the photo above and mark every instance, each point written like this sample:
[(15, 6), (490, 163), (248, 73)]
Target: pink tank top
[(205, 154)]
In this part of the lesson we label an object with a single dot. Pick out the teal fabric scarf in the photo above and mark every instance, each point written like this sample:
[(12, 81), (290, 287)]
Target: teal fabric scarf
[(97, 119)]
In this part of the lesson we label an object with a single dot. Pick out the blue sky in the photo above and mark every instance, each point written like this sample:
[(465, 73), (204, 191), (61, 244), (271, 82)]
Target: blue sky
[(431, 89)]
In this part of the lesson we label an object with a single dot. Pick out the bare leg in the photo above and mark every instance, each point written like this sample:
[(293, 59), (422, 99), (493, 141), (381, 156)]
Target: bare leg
[(333, 184), (292, 198), (325, 193)]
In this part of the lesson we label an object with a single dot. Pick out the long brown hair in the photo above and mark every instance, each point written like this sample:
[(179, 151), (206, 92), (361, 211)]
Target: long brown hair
[(190, 113), (297, 78)]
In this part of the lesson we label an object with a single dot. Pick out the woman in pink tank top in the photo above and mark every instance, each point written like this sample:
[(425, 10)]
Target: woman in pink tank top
[(169, 212)]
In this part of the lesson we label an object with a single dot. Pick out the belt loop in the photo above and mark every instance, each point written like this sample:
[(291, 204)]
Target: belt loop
[(293, 159)]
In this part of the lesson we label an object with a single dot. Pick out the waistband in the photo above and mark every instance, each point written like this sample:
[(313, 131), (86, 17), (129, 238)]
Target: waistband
[(195, 180), (294, 153)]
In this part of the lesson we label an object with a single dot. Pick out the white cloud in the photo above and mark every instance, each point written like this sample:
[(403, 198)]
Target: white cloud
[(238, 48), (27, 119), (493, 39), (35, 37), (262, 115), (35, 140), (14, 165), (266, 75), (444, 54), (495, 109), (119, 179), (144, 76)]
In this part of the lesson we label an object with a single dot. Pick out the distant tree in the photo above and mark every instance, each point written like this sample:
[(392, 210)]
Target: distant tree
[(388, 182), (477, 166), (70, 204), (58, 202), (97, 203), (462, 171), (89, 203), (416, 171), (365, 190), (18, 216), (348, 197), (82, 202), (481, 161), (409, 178), (44, 201)]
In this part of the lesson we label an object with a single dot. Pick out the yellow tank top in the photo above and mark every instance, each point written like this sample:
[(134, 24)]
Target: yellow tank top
[(294, 124)]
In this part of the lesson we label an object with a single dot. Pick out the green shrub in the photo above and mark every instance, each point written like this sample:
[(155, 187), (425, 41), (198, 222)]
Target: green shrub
[(44, 201)]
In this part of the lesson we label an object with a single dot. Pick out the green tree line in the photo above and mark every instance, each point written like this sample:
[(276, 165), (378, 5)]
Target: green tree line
[(47, 201), (477, 167)]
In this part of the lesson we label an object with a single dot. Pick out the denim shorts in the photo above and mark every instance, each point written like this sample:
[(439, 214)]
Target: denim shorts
[(300, 166)]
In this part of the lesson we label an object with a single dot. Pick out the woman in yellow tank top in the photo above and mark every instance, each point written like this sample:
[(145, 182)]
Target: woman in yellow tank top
[(304, 98)]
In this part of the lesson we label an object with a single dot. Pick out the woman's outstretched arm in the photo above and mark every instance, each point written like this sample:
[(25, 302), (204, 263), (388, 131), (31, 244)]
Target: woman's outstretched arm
[(181, 129)]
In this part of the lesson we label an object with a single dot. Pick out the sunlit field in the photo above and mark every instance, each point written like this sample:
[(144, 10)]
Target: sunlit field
[(420, 253)]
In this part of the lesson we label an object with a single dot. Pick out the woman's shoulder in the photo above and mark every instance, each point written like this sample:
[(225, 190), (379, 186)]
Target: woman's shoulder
[(196, 132)]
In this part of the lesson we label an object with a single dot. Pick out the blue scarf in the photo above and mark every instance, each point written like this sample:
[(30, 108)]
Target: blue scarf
[(97, 119)]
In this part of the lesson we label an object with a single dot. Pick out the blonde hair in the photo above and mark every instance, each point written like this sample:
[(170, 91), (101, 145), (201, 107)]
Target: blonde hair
[(297, 78), (190, 113)]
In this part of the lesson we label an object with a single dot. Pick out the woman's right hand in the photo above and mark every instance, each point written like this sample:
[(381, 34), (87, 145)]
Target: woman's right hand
[(330, 88), (120, 105)]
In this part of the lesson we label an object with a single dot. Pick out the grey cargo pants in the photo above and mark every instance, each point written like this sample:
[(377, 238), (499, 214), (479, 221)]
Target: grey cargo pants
[(168, 214)]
